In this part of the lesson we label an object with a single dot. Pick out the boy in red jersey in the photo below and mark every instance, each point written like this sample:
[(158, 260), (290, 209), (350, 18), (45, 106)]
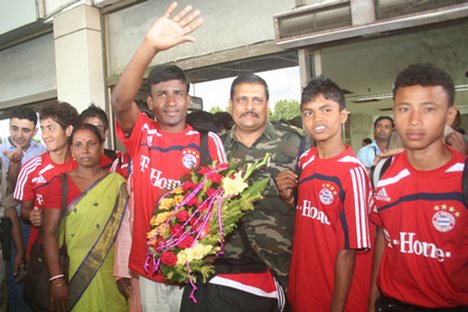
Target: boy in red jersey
[(57, 121), (330, 267), (421, 252), (162, 151)]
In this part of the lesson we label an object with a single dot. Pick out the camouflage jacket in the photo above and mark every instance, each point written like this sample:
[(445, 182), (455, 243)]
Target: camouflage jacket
[(270, 226)]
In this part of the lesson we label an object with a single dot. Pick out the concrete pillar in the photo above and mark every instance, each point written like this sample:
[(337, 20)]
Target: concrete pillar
[(305, 70), (79, 57), (362, 12)]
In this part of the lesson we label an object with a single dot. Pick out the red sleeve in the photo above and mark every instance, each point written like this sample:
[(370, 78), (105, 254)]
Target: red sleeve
[(53, 194), (375, 218), (355, 215), (132, 142), (215, 145), (23, 189)]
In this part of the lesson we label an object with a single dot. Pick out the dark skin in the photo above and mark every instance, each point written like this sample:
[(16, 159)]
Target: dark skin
[(87, 151), (322, 111)]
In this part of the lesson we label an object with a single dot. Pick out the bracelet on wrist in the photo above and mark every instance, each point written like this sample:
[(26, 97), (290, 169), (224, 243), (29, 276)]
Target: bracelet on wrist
[(56, 277), (58, 285)]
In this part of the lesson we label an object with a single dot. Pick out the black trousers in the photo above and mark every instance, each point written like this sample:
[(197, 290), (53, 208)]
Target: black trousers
[(386, 304), (216, 298)]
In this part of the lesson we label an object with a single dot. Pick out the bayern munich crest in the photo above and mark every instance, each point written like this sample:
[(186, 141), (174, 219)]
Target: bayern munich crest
[(444, 219), (190, 158), (327, 194)]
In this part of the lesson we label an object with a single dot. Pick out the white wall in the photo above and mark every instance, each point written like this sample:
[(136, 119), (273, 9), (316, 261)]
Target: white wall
[(27, 69), (16, 13)]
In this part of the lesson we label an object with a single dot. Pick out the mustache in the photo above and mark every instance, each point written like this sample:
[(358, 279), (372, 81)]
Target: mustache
[(249, 113)]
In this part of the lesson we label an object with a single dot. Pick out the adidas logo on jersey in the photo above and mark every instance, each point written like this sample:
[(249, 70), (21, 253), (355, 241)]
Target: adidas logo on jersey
[(382, 195), (40, 179)]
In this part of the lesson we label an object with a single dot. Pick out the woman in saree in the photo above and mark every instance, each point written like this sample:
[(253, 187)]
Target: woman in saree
[(95, 205)]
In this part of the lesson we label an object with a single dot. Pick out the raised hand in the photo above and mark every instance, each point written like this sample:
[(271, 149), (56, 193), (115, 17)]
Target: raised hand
[(14, 156), (169, 31)]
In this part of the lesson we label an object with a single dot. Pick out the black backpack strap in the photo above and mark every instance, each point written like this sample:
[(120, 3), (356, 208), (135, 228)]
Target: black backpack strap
[(298, 170), (377, 171), (64, 181), (204, 152), (465, 183)]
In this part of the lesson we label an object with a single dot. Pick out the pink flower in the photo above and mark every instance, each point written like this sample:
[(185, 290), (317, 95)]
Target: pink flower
[(186, 242), (182, 215), (193, 201), (223, 167), (169, 258), (176, 230), (188, 186), (215, 177), (204, 170), (211, 191)]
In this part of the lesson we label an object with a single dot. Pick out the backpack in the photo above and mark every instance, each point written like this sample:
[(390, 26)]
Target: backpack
[(377, 171)]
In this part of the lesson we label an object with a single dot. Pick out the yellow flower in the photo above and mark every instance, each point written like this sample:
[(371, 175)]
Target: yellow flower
[(164, 229), (160, 218), (178, 190), (233, 186), (151, 233), (177, 199), (197, 252), (166, 204), (181, 258)]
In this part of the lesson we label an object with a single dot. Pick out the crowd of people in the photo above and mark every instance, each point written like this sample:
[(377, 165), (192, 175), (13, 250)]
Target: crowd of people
[(322, 238)]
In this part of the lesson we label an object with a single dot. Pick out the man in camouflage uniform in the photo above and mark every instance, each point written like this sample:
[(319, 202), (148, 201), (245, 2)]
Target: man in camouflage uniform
[(257, 255)]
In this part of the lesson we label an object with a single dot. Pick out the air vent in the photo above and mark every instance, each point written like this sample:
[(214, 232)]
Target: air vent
[(387, 9), (313, 19)]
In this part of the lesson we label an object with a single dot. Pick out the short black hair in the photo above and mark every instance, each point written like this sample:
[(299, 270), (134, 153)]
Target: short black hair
[(225, 120), (249, 78), (94, 111), (23, 112), (91, 127), (203, 121), (165, 72), (425, 75), (62, 113), (367, 141), (383, 118), (322, 85)]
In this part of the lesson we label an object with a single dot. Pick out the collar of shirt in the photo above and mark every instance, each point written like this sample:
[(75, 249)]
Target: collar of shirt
[(269, 133)]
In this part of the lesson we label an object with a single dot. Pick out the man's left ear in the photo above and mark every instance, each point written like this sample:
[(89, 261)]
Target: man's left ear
[(35, 132), (344, 115), (189, 101), (68, 130)]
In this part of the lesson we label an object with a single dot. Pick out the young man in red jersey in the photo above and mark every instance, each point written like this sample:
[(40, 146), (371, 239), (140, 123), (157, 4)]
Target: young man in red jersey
[(331, 261), (162, 151), (421, 252), (57, 121)]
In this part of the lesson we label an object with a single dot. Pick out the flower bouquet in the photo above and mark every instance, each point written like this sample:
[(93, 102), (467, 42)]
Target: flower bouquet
[(191, 221)]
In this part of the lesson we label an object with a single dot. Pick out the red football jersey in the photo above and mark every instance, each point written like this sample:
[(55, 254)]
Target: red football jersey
[(425, 223), (159, 159), (33, 176), (334, 202)]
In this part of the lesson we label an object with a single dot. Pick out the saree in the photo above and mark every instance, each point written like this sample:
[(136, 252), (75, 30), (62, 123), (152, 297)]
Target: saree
[(91, 224)]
